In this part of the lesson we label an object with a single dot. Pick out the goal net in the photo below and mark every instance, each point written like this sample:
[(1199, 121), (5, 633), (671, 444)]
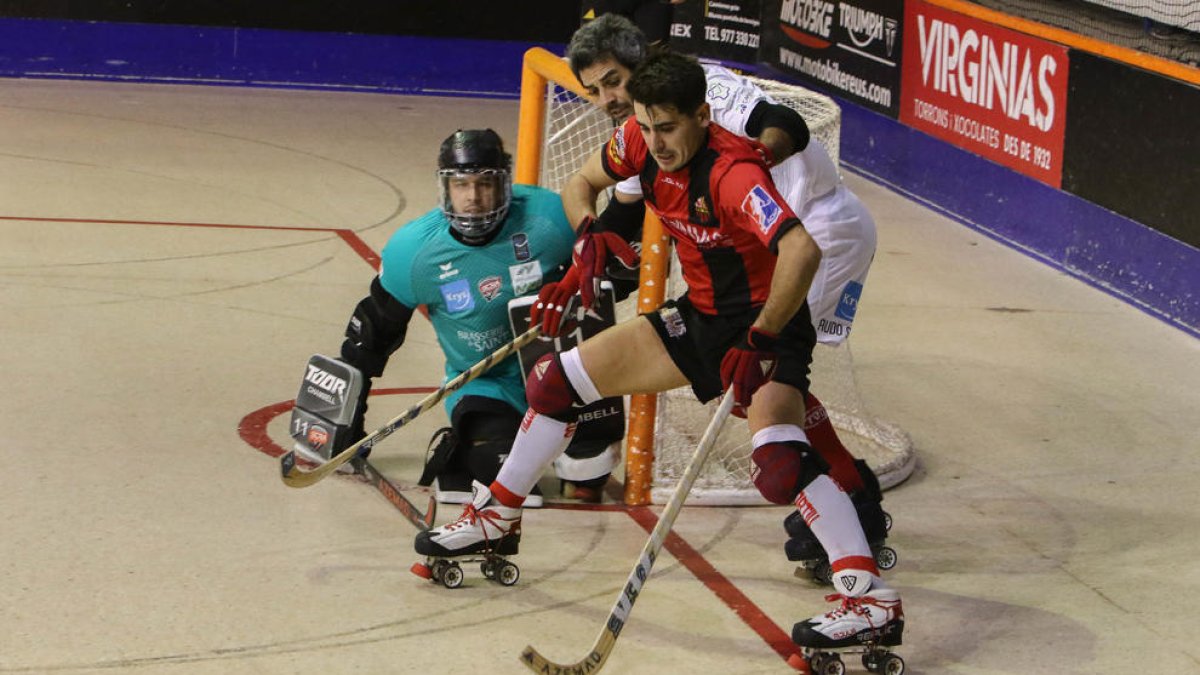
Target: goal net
[(558, 130)]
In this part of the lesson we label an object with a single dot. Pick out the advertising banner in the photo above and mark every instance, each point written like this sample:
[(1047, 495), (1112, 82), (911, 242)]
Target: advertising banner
[(727, 31), (850, 48), (990, 90)]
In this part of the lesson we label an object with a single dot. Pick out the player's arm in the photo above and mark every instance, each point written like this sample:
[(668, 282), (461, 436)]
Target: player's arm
[(583, 187), (778, 127), (375, 330), (795, 267)]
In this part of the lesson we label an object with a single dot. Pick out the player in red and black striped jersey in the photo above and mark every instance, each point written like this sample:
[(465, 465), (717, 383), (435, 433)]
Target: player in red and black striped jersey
[(743, 324)]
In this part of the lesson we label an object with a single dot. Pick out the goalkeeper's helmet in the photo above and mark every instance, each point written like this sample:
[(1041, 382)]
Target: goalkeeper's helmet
[(475, 181)]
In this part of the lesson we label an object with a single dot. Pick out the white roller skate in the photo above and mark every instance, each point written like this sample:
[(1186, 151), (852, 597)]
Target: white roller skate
[(870, 621), (486, 533)]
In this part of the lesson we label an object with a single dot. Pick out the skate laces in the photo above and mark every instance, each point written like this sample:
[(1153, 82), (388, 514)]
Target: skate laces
[(859, 606), (862, 607), (472, 515)]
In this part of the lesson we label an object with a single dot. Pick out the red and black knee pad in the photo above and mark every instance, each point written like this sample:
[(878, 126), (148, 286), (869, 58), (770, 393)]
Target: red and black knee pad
[(548, 390), (780, 470)]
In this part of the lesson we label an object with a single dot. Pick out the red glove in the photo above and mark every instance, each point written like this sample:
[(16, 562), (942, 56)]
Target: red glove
[(590, 257), (554, 300), (748, 366), (764, 152)]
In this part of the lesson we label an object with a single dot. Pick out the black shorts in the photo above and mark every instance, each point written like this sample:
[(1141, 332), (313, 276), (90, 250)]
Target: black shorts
[(697, 342)]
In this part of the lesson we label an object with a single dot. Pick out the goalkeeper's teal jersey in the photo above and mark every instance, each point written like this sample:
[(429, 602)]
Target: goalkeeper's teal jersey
[(467, 288)]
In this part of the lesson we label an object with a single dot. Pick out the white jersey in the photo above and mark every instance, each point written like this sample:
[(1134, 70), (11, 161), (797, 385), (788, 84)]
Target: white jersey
[(812, 186)]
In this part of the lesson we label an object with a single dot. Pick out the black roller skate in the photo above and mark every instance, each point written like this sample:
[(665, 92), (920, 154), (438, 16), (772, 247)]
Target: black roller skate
[(486, 533), (803, 547), (869, 624)]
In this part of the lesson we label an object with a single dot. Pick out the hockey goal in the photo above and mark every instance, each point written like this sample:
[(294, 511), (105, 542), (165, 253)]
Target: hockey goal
[(558, 129)]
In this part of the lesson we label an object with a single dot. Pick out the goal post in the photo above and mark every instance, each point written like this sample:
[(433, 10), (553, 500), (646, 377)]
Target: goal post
[(558, 129)]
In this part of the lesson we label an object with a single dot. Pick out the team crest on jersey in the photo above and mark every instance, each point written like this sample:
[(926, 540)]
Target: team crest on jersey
[(490, 288), (717, 91), (616, 148), (526, 276), (762, 207), (520, 242), (701, 208), (457, 295)]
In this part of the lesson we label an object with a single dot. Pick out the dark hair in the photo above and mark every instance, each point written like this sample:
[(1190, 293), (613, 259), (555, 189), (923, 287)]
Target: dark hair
[(668, 78), (609, 35)]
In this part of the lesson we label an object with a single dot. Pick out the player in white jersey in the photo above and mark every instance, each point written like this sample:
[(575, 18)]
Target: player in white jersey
[(603, 54)]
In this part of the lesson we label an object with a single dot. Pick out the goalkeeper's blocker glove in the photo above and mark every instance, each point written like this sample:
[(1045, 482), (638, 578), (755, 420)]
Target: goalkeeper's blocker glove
[(749, 365)]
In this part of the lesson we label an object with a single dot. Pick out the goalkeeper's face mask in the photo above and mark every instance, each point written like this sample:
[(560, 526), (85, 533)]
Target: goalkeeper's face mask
[(475, 201)]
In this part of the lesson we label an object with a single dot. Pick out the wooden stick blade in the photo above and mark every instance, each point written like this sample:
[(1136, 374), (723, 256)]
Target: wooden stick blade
[(592, 663)]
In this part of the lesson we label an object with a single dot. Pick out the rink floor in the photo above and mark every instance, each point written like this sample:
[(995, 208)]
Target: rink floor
[(171, 256)]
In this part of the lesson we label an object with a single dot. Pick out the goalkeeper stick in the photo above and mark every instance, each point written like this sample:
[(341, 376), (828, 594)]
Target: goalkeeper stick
[(594, 661), (294, 476)]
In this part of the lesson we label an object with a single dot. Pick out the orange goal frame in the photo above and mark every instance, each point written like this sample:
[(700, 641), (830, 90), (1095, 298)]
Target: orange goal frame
[(541, 67)]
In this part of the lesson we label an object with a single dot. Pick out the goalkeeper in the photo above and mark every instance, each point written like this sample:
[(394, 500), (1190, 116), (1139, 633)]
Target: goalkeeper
[(487, 243)]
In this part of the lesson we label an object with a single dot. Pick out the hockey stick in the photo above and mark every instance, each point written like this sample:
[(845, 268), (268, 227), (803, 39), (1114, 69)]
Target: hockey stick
[(390, 492), (294, 476), (594, 661)]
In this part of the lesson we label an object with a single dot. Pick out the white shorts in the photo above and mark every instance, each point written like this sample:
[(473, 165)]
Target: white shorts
[(845, 232)]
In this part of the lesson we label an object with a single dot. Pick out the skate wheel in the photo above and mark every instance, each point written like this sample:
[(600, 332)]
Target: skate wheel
[(488, 568), (885, 558), (829, 664), (452, 576), (507, 574), (438, 569), (422, 570), (892, 665), (887, 521)]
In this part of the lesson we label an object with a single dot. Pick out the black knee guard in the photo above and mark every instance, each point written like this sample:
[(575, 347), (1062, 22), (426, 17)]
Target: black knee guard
[(486, 429)]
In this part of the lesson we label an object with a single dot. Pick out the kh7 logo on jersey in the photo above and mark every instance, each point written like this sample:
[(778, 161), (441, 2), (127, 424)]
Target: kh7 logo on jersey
[(457, 295), (762, 207), (525, 277)]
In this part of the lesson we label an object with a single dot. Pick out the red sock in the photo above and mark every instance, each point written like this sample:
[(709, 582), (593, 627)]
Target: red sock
[(505, 496), (825, 441)]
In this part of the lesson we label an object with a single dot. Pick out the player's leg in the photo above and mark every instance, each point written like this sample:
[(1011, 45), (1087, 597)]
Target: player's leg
[(786, 469), (472, 448), (622, 359)]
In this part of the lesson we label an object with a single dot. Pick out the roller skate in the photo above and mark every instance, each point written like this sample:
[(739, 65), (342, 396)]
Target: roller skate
[(868, 624), (486, 533), (803, 547)]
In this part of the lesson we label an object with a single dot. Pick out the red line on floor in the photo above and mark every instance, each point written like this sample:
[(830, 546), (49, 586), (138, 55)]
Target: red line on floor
[(167, 223), (721, 586), (253, 430), (360, 247)]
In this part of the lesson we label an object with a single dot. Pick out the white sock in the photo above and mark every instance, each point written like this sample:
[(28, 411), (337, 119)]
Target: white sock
[(834, 521), (539, 441), (578, 376)]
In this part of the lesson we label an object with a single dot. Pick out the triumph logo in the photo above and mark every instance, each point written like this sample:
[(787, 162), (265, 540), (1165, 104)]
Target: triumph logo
[(865, 27)]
